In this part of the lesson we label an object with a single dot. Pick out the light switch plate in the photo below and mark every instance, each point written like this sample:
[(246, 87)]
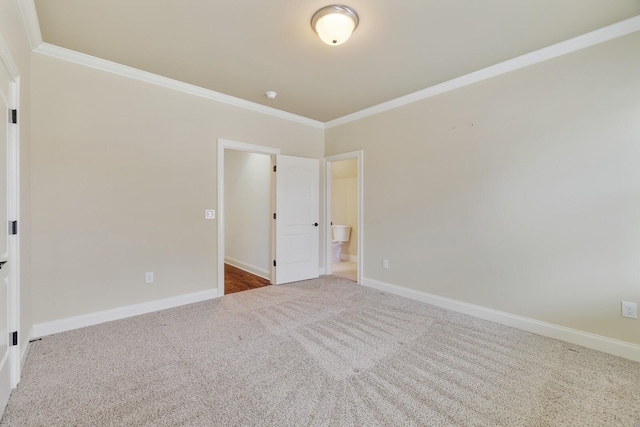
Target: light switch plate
[(209, 214)]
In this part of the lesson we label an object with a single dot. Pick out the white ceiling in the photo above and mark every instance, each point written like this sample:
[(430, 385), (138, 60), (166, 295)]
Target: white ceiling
[(244, 48)]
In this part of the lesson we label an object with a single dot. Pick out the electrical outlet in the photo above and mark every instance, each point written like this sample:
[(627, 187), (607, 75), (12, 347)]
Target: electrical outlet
[(148, 277), (385, 263), (209, 214), (629, 309)]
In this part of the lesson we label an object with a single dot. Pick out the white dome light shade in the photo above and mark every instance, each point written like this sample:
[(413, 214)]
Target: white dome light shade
[(334, 24), (335, 29)]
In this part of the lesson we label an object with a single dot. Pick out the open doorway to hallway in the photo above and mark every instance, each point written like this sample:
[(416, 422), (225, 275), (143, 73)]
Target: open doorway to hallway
[(294, 216), (247, 207)]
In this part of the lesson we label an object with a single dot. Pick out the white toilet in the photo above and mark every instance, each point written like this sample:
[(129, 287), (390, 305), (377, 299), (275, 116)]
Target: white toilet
[(341, 234)]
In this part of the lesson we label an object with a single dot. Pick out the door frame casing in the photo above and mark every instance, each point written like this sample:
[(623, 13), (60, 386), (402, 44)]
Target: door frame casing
[(359, 154), (226, 144), (13, 214)]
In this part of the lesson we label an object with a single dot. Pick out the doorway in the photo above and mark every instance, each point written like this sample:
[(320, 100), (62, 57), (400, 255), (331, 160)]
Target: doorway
[(247, 226), (225, 146), (295, 223), (344, 213)]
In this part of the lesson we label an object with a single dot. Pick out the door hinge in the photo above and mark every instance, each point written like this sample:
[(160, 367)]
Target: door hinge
[(13, 227), (274, 215), (274, 168), (13, 338), (13, 116), (274, 262)]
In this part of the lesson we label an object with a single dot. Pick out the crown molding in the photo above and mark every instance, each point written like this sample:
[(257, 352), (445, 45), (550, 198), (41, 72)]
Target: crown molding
[(592, 38), (32, 28), (619, 29), (30, 21), (134, 73)]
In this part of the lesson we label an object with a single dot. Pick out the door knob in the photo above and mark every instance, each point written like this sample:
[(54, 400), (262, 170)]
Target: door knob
[(315, 225)]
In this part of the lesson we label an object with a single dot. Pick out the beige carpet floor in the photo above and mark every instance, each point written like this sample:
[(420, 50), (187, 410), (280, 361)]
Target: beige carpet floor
[(325, 352)]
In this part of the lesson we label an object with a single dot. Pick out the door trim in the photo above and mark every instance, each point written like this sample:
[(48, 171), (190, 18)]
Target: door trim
[(240, 146), (13, 204), (327, 204)]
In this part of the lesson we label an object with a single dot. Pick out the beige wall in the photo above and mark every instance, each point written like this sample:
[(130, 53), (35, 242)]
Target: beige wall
[(520, 193), (247, 206), (344, 200), (14, 36), (122, 173)]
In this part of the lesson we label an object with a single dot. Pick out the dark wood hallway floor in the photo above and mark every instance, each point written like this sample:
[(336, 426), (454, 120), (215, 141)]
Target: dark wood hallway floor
[(236, 280)]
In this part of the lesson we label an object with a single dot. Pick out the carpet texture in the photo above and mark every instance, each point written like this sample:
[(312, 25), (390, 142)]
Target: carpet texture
[(324, 352)]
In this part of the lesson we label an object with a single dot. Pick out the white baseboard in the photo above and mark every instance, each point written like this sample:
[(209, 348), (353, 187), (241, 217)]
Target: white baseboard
[(574, 336), (349, 257), (261, 272), (49, 328)]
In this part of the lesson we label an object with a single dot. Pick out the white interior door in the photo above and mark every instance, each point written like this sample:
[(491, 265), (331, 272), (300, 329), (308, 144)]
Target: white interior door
[(6, 102), (297, 219)]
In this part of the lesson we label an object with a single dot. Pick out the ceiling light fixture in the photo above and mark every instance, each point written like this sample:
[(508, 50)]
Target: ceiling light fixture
[(334, 24), (271, 94)]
